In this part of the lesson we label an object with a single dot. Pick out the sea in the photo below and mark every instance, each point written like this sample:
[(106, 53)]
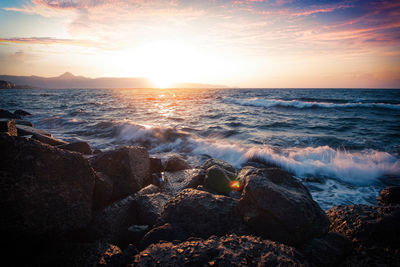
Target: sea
[(344, 144)]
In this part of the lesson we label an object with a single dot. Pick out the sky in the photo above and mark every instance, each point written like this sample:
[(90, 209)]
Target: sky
[(237, 43)]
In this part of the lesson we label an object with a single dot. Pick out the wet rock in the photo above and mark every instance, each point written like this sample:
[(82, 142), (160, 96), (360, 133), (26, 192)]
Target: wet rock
[(229, 250), (150, 189), (176, 163), (174, 182), (43, 191), (80, 146), (389, 196), (26, 130), (111, 224), (156, 165), (200, 214), (196, 180), (24, 122), (328, 250), (8, 126), (135, 233), (21, 112), (373, 231), (8, 115), (102, 191), (220, 163), (148, 207), (128, 168), (217, 180), (278, 207), (39, 135)]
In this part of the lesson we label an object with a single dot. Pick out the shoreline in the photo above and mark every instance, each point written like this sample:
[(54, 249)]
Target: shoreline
[(124, 207)]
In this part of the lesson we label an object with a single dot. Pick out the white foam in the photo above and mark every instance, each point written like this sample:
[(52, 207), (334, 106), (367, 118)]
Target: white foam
[(267, 103)]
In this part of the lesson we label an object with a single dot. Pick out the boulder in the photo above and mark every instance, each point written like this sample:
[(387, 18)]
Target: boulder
[(8, 115), (176, 163), (217, 180), (148, 207), (39, 135), (47, 140), (21, 112), (329, 250), (199, 214), (156, 165), (128, 167), (80, 146), (174, 182), (374, 232), (220, 163), (278, 207), (112, 223), (43, 191), (8, 126), (389, 196), (102, 191), (231, 250), (150, 189)]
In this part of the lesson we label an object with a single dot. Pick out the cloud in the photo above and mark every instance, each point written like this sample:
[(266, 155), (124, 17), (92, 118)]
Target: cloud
[(47, 41)]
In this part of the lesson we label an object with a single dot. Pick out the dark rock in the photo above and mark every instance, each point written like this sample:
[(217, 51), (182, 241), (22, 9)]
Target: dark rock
[(367, 225), (199, 214), (26, 130), (374, 232), (80, 146), (111, 224), (24, 122), (174, 182), (150, 189), (156, 165), (176, 163), (102, 191), (8, 126), (278, 207), (8, 115), (229, 250), (128, 168), (196, 180), (217, 180), (21, 112), (165, 232), (148, 207), (43, 191), (220, 163), (389, 196), (328, 250), (39, 135), (157, 179), (136, 233), (97, 151)]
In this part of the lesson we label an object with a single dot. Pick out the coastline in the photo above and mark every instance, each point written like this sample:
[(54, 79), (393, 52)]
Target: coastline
[(125, 207)]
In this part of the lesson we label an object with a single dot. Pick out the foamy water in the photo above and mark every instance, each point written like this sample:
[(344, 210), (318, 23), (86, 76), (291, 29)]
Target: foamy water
[(348, 139)]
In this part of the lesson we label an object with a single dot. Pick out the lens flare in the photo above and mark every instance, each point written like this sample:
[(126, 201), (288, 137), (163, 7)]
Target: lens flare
[(236, 185)]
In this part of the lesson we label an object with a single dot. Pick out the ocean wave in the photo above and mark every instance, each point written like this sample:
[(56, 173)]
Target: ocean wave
[(268, 103), (359, 168)]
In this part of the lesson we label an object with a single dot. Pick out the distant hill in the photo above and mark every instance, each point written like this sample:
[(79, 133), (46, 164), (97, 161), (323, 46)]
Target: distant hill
[(68, 80)]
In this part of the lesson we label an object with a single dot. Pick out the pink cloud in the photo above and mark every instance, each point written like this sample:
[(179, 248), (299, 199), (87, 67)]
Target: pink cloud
[(46, 41)]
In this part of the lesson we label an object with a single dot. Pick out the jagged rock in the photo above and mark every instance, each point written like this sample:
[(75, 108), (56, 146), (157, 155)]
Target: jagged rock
[(21, 112), (217, 180), (43, 191), (80, 146), (128, 168), (150, 189), (278, 207), (373, 231), (102, 191), (8, 115), (176, 163), (174, 182), (199, 214), (8, 126), (389, 196), (156, 165), (40, 135), (220, 163), (328, 250), (111, 224), (196, 180), (229, 250), (148, 207)]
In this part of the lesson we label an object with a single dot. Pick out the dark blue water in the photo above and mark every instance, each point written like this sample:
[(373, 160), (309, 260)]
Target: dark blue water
[(348, 139)]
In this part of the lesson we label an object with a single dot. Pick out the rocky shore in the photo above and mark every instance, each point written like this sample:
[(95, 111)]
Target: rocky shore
[(63, 204)]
